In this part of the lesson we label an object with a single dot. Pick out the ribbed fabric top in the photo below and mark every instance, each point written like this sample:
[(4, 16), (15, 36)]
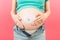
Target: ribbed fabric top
[(39, 4)]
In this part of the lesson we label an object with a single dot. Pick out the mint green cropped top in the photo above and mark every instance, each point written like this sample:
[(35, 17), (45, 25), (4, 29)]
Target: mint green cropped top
[(39, 4)]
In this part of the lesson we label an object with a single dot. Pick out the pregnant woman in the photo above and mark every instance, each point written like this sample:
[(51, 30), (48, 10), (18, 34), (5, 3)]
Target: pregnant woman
[(29, 17)]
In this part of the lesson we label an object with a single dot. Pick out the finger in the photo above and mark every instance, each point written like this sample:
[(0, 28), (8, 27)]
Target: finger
[(38, 15), (19, 23), (19, 18), (38, 18), (36, 23), (39, 21)]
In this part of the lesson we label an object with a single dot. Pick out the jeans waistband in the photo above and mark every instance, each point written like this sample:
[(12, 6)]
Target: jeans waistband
[(27, 34)]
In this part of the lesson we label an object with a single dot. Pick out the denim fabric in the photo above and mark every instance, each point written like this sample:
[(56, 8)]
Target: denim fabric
[(20, 34)]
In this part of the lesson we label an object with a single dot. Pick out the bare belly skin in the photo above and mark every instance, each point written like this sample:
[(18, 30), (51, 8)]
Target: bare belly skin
[(28, 15)]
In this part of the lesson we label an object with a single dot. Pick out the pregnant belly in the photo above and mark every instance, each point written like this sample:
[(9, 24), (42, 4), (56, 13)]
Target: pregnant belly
[(28, 16)]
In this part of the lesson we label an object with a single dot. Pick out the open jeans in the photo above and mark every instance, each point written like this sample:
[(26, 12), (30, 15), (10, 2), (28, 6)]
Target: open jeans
[(20, 34)]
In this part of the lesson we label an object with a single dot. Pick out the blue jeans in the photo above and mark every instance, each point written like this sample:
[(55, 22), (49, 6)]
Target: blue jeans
[(20, 34)]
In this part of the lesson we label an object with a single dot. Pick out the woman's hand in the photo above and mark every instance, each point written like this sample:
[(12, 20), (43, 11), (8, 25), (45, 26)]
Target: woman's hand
[(40, 18), (17, 20)]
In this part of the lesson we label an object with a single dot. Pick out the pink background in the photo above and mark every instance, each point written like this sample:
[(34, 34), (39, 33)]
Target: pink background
[(52, 23)]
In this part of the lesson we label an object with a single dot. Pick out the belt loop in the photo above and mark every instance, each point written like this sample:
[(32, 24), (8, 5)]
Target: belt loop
[(17, 27)]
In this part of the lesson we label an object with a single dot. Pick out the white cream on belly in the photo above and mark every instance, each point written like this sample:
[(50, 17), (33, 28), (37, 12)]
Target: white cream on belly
[(27, 18)]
